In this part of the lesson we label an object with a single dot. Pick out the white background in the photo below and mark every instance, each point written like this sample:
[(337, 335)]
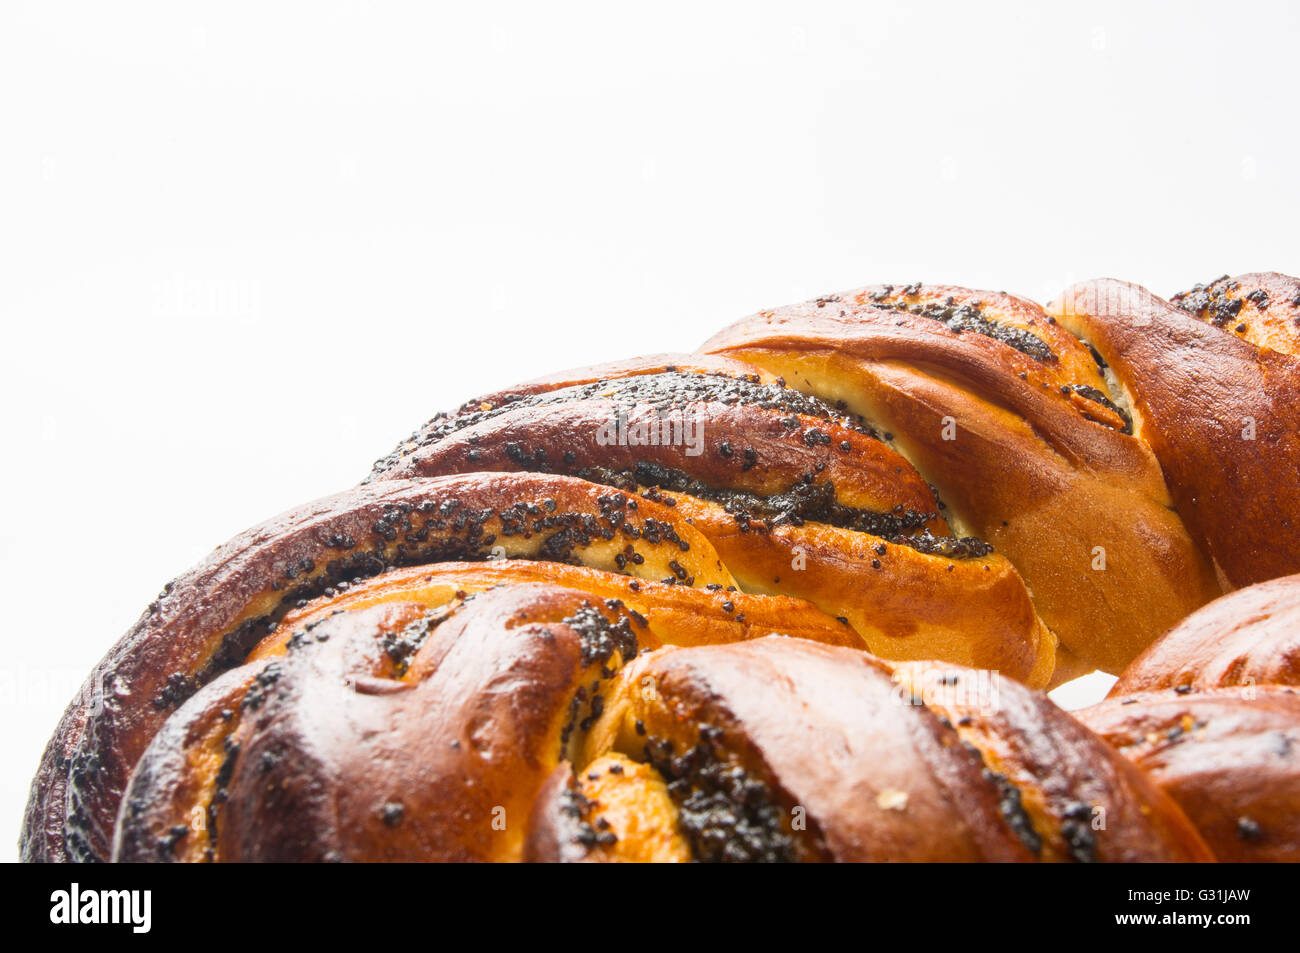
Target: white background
[(245, 248)]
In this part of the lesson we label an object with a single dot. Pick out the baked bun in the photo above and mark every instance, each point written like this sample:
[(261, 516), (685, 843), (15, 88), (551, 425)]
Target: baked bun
[(531, 721)]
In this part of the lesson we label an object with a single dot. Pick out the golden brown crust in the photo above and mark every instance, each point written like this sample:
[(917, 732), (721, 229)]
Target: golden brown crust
[(795, 495), (1262, 308), (1218, 411), (833, 741), (182, 772), (904, 604), (534, 722), (1082, 801), (344, 749), (1249, 637), (677, 615), (1048, 477), (744, 447), (208, 619), (1230, 757), (537, 632), (615, 811), (880, 781)]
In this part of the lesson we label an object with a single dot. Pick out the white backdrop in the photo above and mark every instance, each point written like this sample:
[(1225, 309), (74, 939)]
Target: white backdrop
[(246, 247)]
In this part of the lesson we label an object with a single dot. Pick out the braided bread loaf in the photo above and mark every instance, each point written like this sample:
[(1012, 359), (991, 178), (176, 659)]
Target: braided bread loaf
[(430, 722), (679, 606)]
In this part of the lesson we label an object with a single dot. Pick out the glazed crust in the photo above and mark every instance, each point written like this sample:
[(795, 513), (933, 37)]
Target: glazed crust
[(1262, 309), (822, 737), (535, 722), (1217, 408), (795, 496), (1081, 800), (1230, 757), (1250, 637), (207, 620), (616, 811), (890, 774), (1006, 414), (346, 753), (677, 615), (534, 634)]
